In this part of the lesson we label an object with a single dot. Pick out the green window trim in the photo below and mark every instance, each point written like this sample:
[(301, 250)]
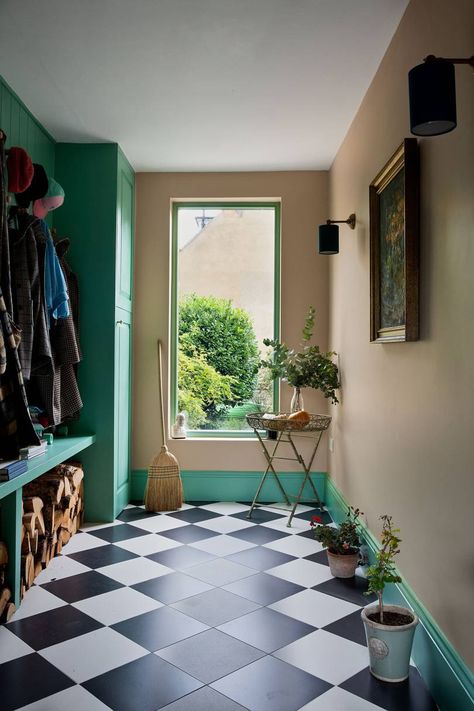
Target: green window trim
[(173, 381)]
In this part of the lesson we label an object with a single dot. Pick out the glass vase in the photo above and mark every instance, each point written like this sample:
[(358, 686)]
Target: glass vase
[(297, 403)]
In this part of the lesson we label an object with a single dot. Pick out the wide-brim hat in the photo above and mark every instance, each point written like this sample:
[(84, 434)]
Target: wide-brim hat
[(54, 198), (37, 188), (20, 169)]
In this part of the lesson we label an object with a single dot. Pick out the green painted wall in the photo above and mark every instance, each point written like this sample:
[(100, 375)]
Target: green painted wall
[(24, 130)]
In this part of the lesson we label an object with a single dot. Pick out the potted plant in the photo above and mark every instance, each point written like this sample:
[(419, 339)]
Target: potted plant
[(342, 543), (307, 369), (389, 628)]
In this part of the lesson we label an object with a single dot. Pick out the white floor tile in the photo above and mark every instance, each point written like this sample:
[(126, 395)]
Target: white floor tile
[(155, 524), (219, 572), (92, 654), (11, 647), (295, 545), (225, 524), (298, 525), (92, 526), (82, 542), (314, 608), (137, 570), (226, 507), (326, 655), (146, 545), (117, 605), (222, 545), (37, 600), (59, 568), (337, 699), (76, 698), (302, 572)]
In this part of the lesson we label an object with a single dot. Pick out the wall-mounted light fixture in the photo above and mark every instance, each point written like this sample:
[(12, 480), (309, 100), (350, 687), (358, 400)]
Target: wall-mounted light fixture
[(432, 94), (329, 234)]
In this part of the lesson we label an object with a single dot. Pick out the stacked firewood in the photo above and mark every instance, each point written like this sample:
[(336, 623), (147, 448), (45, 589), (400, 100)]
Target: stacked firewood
[(7, 608), (52, 513)]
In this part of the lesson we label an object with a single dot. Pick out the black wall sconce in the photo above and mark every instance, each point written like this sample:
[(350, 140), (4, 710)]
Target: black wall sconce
[(329, 234), (432, 94)]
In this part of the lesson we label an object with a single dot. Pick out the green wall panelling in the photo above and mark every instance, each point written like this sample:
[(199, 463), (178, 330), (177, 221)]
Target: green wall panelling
[(123, 392), (24, 130), (125, 223), (446, 674), (233, 485)]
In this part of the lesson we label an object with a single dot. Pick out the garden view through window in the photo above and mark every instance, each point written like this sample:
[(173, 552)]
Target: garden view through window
[(226, 294)]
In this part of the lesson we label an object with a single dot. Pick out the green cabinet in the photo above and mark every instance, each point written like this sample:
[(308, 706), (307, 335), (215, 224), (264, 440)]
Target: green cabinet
[(98, 216)]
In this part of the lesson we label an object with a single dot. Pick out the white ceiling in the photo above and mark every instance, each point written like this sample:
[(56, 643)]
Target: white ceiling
[(198, 85)]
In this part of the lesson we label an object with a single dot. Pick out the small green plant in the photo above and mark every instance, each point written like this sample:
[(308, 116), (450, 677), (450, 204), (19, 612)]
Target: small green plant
[(343, 540), (384, 571), (307, 369)]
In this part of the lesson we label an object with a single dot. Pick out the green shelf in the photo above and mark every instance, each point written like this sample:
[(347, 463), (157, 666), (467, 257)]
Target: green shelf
[(11, 496)]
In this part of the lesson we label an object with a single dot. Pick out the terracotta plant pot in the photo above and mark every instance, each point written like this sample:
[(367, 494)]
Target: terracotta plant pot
[(343, 566), (389, 646)]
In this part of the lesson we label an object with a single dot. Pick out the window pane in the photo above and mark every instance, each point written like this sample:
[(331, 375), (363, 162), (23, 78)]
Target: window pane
[(225, 290)]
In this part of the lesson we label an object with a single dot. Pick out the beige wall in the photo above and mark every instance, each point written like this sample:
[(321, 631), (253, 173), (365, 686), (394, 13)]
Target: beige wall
[(304, 282), (404, 433)]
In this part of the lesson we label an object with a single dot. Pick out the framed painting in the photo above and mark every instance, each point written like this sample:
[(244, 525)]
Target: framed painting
[(394, 247)]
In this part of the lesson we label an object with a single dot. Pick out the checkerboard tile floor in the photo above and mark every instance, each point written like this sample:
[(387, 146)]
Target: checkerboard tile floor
[(200, 609)]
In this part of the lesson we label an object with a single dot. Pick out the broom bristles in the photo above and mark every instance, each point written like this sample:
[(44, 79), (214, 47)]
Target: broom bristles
[(164, 489)]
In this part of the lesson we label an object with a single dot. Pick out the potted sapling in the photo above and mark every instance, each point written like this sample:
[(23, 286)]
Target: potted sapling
[(389, 628)]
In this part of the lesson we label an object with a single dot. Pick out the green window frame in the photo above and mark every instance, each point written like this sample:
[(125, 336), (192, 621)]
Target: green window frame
[(176, 205)]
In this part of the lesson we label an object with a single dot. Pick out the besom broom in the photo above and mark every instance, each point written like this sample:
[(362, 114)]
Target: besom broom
[(164, 490)]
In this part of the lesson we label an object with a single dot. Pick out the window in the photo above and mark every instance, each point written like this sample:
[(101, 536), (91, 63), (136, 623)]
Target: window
[(225, 301)]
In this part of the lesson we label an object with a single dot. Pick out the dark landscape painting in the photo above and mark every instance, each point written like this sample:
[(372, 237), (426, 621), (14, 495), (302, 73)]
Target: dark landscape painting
[(392, 252)]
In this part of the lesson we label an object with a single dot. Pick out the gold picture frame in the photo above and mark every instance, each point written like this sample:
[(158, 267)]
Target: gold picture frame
[(394, 247)]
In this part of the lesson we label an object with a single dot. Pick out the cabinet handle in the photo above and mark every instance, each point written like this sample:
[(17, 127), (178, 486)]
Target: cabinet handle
[(117, 323)]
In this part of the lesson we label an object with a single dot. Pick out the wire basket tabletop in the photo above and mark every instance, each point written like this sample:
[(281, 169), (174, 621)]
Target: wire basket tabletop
[(317, 423)]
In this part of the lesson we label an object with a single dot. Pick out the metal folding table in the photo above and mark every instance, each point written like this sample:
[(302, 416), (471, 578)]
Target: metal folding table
[(289, 432)]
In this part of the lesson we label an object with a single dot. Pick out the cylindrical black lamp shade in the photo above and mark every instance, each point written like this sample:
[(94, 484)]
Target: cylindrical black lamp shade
[(432, 91), (328, 239)]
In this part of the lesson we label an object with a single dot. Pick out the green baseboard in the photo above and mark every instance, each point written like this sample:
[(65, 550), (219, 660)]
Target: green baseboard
[(233, 485), (446, 674)]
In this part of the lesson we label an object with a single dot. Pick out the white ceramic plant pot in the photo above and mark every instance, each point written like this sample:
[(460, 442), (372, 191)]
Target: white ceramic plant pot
[(389, 646), (343, 566)]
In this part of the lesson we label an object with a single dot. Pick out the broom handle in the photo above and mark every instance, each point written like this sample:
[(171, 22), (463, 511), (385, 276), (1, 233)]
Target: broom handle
[(160, 379)]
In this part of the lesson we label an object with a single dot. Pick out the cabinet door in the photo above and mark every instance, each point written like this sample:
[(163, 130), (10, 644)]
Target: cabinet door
[(125, 220), (122, 409)]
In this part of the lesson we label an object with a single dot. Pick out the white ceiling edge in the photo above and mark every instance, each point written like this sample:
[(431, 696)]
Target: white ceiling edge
[(199, 85)]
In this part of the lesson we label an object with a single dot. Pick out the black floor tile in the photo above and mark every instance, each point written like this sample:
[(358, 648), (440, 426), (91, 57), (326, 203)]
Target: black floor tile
[(308, 515), (147, 684), (204, 699), (135, 514), (263, 589), (260, 558), (200, 503), (194, 515), (158, 628), (259, 534), (210, 655), (409, 695), (78, 587), (350, 589), (271, 685), (267, 629), (319, 557), (52, 627), (189, 534), (28, 679), (102, 556), (170, 588), (259, 516), (180, 557), (215, 607), (351, 627), (114, 534)]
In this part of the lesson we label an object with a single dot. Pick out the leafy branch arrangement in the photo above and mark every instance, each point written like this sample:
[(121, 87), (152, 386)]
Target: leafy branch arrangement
[(307, 369), (383, 571), (343, 540)]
